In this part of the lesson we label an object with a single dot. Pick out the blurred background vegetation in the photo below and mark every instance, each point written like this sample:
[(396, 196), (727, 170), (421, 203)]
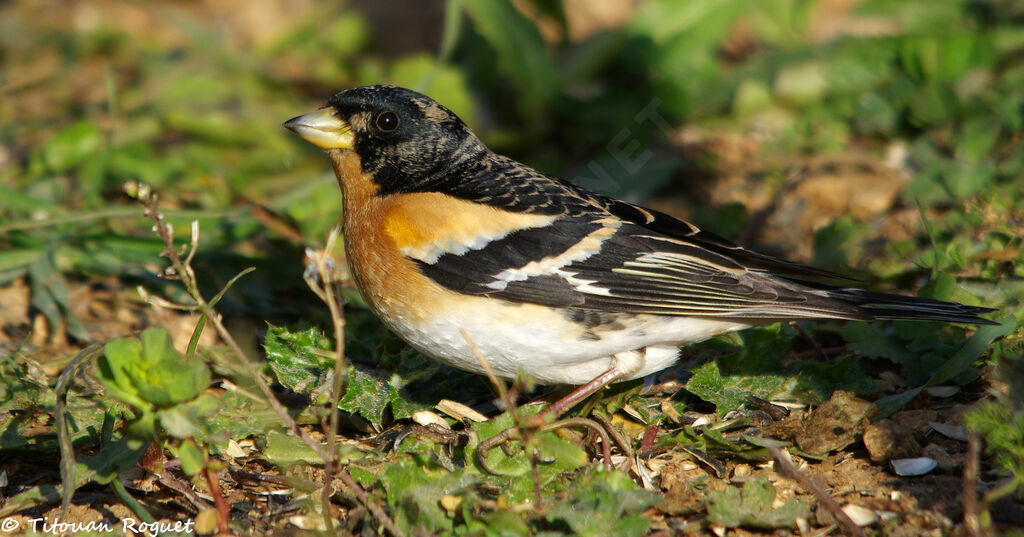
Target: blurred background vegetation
[(874, 137), (907, 106)]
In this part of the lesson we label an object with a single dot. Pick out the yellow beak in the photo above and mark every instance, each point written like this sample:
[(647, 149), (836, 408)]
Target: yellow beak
[(322, 129)]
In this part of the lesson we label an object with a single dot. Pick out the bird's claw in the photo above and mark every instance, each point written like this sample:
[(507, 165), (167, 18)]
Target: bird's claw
[(539, 424)]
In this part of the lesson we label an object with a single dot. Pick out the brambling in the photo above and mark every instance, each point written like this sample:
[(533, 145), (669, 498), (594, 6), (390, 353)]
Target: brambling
[(570, 286)]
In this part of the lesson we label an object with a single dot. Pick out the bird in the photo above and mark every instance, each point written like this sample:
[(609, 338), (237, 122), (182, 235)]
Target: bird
[(464, 253)]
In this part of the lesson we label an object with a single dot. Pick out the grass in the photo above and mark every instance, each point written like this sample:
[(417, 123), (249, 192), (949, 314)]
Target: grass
[(749, 118)]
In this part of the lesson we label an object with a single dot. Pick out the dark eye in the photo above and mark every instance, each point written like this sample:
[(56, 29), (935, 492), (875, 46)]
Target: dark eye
[(387, 121)]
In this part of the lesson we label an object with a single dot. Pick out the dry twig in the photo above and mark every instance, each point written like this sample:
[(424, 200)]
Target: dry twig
[(786, 467), (181, 269), (972, 518)]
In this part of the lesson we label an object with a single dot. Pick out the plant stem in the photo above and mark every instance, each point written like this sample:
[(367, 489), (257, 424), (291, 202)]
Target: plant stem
[(335, 305), (133, 504), (223, 511), (786, 467), (183, 271)]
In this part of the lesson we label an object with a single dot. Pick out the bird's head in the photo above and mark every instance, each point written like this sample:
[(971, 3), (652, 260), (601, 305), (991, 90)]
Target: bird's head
[(404, 139)]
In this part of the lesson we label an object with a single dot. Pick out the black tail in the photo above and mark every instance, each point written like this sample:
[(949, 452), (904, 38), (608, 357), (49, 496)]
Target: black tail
[(898, 307)]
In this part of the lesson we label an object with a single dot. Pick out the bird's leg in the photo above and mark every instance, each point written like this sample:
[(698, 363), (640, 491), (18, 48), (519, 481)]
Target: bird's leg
[(570, 400), (623, 365), (431, 432), (526, 431)]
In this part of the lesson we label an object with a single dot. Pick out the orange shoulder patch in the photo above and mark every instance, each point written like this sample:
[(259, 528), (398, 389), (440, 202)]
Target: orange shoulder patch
[(428, 225)]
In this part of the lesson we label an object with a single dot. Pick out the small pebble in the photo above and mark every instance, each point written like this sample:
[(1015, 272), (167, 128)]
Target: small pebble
[(860, 516), (913, 467)]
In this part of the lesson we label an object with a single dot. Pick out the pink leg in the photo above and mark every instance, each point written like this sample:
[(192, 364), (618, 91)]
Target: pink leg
[(580, 393)]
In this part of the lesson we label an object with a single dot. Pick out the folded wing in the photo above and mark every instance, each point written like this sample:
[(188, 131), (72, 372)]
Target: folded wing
[(629, 259)]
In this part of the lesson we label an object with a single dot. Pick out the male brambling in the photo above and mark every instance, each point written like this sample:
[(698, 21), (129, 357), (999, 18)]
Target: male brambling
[(570, 286)]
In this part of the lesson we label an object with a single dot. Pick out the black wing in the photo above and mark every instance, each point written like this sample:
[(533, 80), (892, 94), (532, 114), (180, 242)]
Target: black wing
[(604, 254)]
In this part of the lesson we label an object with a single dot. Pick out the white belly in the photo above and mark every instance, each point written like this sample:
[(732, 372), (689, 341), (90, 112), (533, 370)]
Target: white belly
[(547, 345)]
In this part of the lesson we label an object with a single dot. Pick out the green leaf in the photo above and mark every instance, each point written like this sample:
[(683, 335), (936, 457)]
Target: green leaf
[(728, 392), (150, 374), (31, 497), (973, 349), (28, 401), (365, 394), (817, 379), (219, 127), (189, 419), (143, 426), (941, 287), (363, 476), (346, 34), (118, 357), (299, 360), (965, 179), (414, 491), (50, 294), (18, 259), (873, 341), (559, 454), (605, 503), (751, 96), (801, 84), (1002, 426), (302, 361), (496, 459), (932, 105), (860, 66), (970, 351), (754, 369), (840, 242), (113, 458), (192, 457), (566, 454), (287, 449), (171, 378), (241, 416), (683, 57), (977, 138), (505, 523), (752, 508), (16, 201), (876, 114), (72, 146), (521, 52)]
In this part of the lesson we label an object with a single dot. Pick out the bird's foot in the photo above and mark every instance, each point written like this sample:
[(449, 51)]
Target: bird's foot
[(527, 428), (538, 424)]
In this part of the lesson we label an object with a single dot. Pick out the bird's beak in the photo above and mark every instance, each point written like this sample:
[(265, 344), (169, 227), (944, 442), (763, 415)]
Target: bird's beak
[(322, 129)]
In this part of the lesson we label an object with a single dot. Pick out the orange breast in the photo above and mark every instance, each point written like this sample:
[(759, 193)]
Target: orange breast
[(389, 283), (382, 232)]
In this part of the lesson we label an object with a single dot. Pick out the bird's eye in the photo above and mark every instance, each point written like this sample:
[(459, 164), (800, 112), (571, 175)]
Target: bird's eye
[(387, 121)]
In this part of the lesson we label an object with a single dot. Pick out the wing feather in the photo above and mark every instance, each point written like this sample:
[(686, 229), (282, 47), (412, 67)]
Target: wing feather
[(626, 269), (603, 254)]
